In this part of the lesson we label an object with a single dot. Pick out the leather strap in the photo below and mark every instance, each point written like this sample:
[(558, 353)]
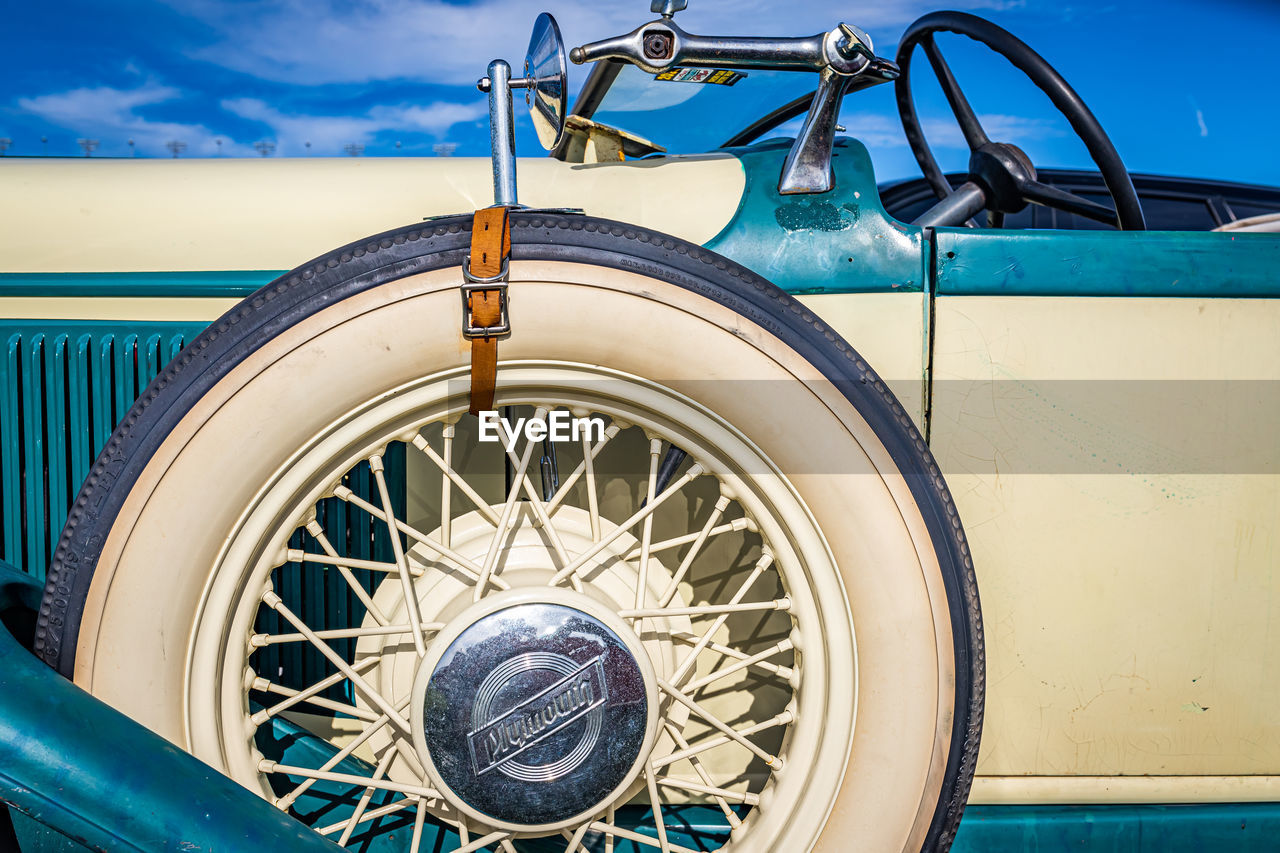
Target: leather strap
[(490, 248)]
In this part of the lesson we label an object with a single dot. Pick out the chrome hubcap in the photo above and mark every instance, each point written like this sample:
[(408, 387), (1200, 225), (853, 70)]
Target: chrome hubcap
[(537, 712)]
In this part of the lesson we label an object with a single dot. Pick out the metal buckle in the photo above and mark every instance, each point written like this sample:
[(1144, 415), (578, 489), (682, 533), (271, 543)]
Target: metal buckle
[(473, 284)]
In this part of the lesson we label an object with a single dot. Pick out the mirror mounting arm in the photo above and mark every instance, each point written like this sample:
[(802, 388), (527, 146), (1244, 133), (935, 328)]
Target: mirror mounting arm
[(502, 138), (844, 59)]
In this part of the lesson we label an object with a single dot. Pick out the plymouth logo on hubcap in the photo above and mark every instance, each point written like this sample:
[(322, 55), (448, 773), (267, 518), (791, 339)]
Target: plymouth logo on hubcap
[(497, 741), (534, 713)]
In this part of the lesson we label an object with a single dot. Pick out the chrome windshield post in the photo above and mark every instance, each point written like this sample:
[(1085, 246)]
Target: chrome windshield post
[(808, 165)]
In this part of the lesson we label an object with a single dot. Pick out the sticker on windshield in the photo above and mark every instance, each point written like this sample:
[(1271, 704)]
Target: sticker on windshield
[(719, 76)]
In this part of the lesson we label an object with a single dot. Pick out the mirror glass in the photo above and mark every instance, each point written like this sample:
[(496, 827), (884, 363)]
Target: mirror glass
[(545, 66)]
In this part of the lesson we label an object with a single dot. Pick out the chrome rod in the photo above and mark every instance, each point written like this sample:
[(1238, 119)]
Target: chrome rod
[(502, 140), (966, 201)]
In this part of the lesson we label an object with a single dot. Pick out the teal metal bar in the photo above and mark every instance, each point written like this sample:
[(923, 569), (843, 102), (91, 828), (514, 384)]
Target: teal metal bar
[(208, 283), (976, 262), (1191, 828), (33, 461), (11, 450), (72, 762)]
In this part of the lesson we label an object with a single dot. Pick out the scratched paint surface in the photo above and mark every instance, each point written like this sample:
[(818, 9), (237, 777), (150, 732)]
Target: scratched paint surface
[(841, 241), (1127, 556)]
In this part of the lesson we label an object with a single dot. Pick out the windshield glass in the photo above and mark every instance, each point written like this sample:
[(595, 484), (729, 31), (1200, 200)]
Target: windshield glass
[(692, 115)]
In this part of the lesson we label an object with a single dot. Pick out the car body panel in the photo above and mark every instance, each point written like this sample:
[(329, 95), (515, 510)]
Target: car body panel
[(1130, 662), (168, 215), (1116, 465)]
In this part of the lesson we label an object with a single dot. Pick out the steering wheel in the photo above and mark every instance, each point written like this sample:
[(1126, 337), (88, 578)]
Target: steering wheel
[(1001, 177)]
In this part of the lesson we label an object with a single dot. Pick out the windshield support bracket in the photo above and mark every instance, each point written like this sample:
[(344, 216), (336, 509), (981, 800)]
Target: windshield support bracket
[(808, 165)]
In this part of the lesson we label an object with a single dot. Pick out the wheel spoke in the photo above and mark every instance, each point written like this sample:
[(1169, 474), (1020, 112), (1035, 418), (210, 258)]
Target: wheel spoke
[(397, 548), (655, 806), (783, 719), (381, 770), (722, 503), (308, 695), (537, 504), (373, 814), (737, 525), (582, 561), (646, 535), (674, 732), (783, 672), (297, 555), (275, 603), (706, 609), (317, 533), (609, 432), (459, 562), (720, 793), (266, 766), (483, 841), (334, 760), (772, 761), (715, 675), (384, 630), (495, 547), (446, 488), (593, 499), (446, 468), (613, 829), (686, 665), (575, 839), (419, 820)]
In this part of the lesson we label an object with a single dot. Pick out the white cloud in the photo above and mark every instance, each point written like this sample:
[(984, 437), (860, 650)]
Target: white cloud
[(112, 114), (876, 130), (315, 42), (329, 134)]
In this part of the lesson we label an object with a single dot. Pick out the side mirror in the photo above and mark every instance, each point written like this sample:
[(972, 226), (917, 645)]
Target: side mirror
[(546, 73)]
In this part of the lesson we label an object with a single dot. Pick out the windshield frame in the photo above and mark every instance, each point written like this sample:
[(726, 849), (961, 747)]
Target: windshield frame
[(605, 72)]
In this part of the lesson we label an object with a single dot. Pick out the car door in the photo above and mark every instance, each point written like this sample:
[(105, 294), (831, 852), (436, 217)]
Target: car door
[(1104, 407)]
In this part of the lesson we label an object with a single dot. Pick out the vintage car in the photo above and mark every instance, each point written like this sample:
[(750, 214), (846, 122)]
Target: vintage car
[(613, 500)]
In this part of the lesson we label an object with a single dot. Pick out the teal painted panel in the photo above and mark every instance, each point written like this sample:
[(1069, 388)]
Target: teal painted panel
[(841, 241), (64, 384), (224, 283), (35, 837), (72, 762), (1107, 263), (1196, 828)]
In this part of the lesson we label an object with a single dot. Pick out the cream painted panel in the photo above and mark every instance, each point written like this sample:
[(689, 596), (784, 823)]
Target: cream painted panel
[(193, 309), (888, 330), (136, 215), (1067, 790), (1131, 598)]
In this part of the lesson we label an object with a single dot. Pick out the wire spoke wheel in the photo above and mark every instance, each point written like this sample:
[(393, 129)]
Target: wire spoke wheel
[(697, 588), (710, 600)]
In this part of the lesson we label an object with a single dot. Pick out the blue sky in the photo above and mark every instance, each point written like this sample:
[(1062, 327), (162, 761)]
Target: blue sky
[(1183, 86)]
